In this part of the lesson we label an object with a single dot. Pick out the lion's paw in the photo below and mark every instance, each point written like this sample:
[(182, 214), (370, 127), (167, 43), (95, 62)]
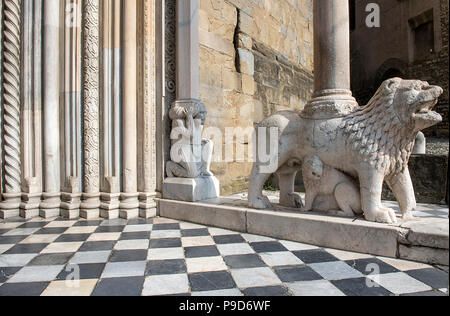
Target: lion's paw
[(385, 216), (260, 203), (294, 200)]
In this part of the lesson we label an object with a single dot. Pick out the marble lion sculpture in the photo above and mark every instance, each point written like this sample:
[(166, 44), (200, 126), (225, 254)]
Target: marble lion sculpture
[(371, 145)]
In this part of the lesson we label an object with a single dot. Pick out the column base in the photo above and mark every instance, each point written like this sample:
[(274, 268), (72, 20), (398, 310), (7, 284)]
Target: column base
[(129, 206), (109, 214), (90, 207), (29, 214), (90, 213), (70, 214), (11, 201), (49, 213), (109, 206), (147, 205), (191, 190), (5, 214), (330, 104), (70, 205), (29, 208)]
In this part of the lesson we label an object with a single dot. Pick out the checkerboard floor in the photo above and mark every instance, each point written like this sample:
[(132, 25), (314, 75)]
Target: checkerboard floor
[(165, 257)]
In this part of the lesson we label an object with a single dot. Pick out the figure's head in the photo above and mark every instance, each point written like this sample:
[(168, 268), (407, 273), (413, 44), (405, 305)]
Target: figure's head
[(313, 168), (413, 102)]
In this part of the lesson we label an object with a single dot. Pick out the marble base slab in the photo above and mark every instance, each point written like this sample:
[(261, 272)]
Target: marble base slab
[(191, 190)]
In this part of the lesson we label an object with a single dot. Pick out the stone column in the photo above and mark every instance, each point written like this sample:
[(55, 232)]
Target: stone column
[(189, 185), (50, 205), (90, 206), (332, 97), (71, 195), (11, 83), (111, 108), (1, 101), (187, 50), (147, 110), (129, 206), (31, 109)]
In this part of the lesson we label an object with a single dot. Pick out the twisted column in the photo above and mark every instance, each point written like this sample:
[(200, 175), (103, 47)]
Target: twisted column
[(91, 195), (11, 107)]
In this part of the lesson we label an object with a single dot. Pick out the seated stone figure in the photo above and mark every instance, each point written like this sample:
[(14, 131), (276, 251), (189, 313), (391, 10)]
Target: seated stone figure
[(190, 154), (329, 190)]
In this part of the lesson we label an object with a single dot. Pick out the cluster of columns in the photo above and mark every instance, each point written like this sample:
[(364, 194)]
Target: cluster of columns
[(78, 108)]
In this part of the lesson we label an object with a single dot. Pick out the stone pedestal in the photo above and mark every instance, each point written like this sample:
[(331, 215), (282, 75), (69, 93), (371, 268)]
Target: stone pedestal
[(191, 190)]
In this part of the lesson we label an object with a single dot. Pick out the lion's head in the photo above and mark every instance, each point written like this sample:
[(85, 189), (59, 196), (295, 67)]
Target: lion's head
[(414, 101), (384, 131), (313, 168)]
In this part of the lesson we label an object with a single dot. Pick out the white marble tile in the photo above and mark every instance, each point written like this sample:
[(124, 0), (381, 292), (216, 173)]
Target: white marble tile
[(90, 257), (19, 260), (62, 247), (336, 270), (195, 265), (141, 244), (124, 269), (235, 249), (314, 288), (197, 241), (138, 228), (219, 293), (278, 259), (166, 254), (159, 234), (36, 274), (400, 283), (256, 277), (166, 285)]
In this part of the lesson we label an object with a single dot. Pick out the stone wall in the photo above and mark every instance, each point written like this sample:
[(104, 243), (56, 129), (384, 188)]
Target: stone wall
[(435, 70), (256, 57), (388, 51)]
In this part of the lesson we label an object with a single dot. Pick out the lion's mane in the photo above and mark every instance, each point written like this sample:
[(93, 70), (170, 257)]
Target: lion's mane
[(377, 134)]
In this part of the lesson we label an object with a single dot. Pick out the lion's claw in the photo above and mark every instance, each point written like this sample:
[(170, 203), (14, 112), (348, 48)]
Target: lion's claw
[(260, 203), (385, 216), (294, 201)]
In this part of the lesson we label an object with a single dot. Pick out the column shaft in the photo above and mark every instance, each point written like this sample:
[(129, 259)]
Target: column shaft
[(11, 83), (31, 109), (147, 110), (71, 195), (91, 196), (332, 97), (129, 206), (111, 108), (187, 49), (51, 104)]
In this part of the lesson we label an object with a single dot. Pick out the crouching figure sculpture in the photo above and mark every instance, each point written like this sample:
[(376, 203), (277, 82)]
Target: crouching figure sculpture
[(370, 146)]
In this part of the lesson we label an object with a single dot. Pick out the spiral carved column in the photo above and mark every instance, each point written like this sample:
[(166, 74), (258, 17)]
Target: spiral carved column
[(11, 107)]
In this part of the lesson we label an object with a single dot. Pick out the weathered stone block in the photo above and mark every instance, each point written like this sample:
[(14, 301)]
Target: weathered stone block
[(246, 62), (191, 190), (205, 214), (428, 233), (248, 84), (424, 254)]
